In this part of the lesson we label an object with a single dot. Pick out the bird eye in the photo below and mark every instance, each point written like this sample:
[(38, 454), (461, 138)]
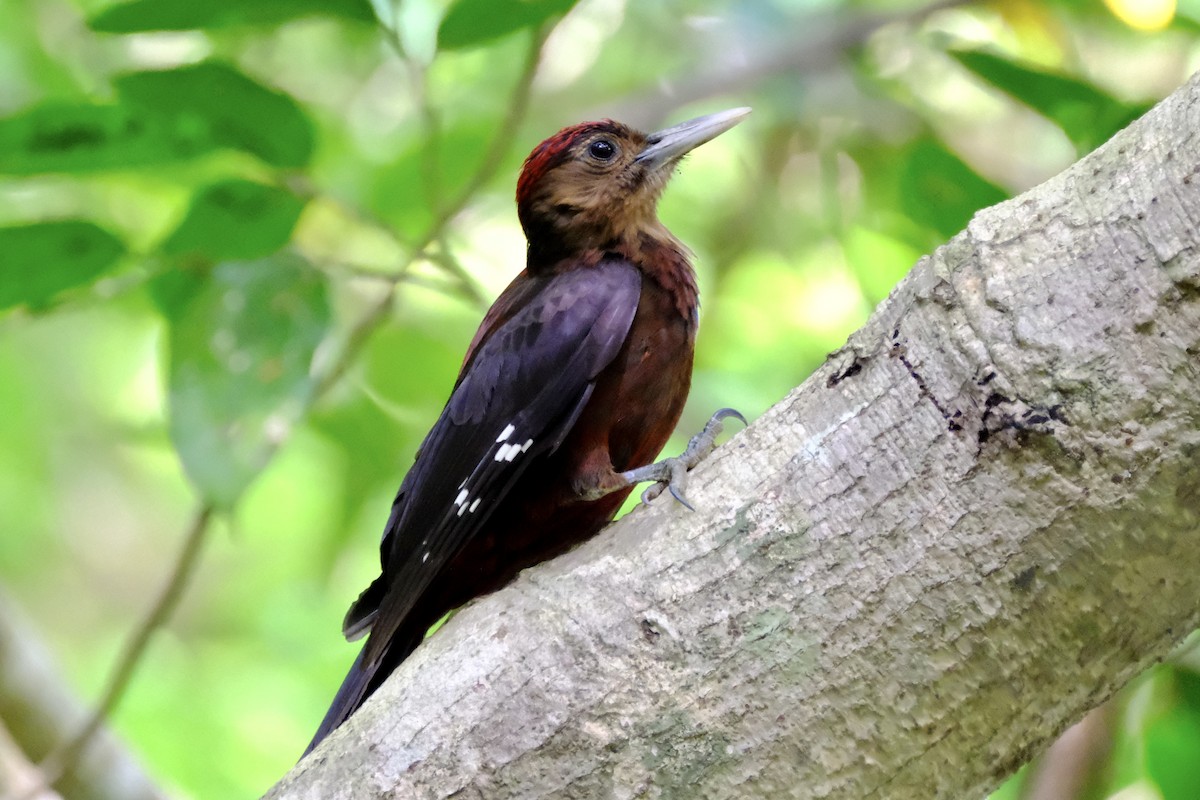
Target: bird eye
[(602, 149)]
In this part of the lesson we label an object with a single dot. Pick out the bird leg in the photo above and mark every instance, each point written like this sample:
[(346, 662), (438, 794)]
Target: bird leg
[(671, 473)]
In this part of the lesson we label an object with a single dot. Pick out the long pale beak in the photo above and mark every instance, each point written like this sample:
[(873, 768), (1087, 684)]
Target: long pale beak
[(665, 146)]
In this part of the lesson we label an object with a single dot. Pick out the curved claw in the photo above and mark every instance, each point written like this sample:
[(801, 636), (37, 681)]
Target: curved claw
[(705, 441), (651, 492), (727, 413), (679, 477), (677, 493)]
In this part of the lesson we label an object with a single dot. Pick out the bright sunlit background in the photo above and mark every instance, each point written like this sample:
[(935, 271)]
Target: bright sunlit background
[(204, 206)]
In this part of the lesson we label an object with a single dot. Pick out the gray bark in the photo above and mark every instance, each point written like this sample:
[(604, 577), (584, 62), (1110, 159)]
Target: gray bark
[(974, 523)]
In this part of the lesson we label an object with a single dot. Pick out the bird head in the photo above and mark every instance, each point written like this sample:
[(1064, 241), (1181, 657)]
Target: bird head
[(596, 185)]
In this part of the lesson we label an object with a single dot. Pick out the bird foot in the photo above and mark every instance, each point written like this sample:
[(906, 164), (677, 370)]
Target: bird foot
[(672, 473)]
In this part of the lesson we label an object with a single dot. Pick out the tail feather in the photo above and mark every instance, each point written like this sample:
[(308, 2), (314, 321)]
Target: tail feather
[(361, 682), (350, 695)]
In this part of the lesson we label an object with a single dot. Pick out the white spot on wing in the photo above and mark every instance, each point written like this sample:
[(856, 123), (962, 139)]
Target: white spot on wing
[(462, 498), (505, 433), (508, 452), (425, 557), (474, 505), (462, 509)]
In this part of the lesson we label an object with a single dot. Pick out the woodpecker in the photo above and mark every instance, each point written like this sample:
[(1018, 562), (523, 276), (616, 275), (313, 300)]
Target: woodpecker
[(568, 391)]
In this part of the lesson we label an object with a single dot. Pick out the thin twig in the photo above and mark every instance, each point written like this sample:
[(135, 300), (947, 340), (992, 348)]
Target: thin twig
[(18, 777), (449, 287), (419, 76), (494, 156), (64, 757), (825, 46), (500, 144), (35, 705)]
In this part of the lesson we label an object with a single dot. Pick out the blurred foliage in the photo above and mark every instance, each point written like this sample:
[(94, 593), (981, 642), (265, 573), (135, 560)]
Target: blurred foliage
[(205, 208)]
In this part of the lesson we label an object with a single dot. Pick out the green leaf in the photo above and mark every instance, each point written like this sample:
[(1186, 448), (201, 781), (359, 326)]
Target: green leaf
[(166, 116), (39, 261), (881, 165), (1088, 116), (236, 111), (1187, 17), (236, 219), (179, 15), (401, 191), (240, 350), (474, 22), (172, 290), (58, 137), (1171, 743), (939, 190)]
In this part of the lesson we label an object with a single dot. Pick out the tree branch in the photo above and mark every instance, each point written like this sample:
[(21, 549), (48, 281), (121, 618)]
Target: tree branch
[(18, 777), (36, 710), (498, 147), (63, 758), (975, 522), (822, 44)]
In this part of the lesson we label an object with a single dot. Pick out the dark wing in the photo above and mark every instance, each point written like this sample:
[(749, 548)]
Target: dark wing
[(519, 394)]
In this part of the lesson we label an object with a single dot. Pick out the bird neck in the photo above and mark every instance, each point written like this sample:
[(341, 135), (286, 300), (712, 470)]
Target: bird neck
[(652, 249)]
